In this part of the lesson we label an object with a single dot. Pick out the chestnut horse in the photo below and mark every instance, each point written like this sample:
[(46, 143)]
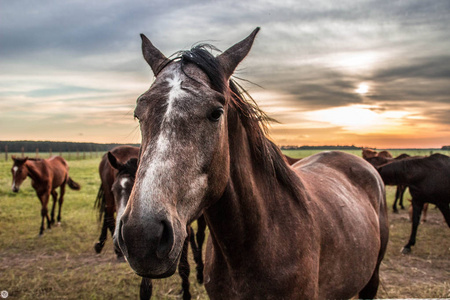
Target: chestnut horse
[(317, 230), (46, 176), (428, 179)]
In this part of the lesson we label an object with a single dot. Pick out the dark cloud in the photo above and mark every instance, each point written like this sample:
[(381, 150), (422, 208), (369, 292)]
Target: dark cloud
[(297, 53)]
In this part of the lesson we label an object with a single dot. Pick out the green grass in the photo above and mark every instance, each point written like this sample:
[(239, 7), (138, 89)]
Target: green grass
[(62, 263)]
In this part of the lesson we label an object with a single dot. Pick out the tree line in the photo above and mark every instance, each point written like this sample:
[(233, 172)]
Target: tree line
[(47, 146)]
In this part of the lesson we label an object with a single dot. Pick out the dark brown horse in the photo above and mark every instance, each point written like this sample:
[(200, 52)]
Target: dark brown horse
[(428, 179), (318, 230), (105, 199), (46, 176), (379, 160), (121, 189)]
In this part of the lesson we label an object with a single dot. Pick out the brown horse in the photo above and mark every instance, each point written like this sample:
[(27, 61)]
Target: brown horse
[(317, 230), (428, 179), (379, 160), (369, 153), (105, 198), (121, 189), (46, 176)]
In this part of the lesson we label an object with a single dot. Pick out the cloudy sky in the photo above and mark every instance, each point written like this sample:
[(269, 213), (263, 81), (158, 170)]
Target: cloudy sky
[(368, 73)]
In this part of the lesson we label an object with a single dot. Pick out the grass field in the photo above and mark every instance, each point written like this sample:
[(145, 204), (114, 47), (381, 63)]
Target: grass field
[(62, 263)]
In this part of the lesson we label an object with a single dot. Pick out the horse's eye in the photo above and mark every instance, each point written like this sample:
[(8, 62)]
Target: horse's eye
[(216, 114)]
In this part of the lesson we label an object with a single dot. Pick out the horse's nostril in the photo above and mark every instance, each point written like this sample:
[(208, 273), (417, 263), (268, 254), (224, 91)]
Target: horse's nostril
[(166, 240), (118, 239)]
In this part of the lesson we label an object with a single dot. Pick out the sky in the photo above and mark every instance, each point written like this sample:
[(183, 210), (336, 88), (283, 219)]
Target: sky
[(364, 73)]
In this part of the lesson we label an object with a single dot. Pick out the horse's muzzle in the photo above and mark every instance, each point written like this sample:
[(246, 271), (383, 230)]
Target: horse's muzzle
[(148, 243)]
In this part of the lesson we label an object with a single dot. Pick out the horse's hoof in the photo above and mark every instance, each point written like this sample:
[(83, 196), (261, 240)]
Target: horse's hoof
[(98, 247), (395, 211), (406, 250), (58, 224)]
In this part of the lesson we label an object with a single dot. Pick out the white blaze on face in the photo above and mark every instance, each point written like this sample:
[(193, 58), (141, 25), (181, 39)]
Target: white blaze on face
[(122, 203), (161, 167), (15, 169)]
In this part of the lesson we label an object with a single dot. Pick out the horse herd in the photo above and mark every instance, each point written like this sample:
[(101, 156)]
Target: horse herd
[(279, 228)]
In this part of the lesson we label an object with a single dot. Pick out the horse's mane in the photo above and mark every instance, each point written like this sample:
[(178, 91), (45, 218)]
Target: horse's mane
[(254, 120), (130, 167)]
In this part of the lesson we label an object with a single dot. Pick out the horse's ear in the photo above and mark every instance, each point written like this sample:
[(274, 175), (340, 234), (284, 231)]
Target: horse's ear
[(152, 55), (13, 157), (230, 59), (113, 160)]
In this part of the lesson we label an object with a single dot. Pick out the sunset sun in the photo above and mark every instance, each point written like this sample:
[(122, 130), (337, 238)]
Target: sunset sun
[(362, 89)]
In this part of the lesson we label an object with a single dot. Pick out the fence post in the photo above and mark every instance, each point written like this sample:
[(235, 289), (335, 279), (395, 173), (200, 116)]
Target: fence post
[(23, 151), (6, 152), (50, 151), (78, 154), (37, 152)]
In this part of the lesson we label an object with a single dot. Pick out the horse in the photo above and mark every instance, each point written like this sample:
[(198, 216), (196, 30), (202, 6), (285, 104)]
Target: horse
[(121, 189), (369, 153), (316, 230), (105, 199), (46, 176), (377, 161), (428, 179)]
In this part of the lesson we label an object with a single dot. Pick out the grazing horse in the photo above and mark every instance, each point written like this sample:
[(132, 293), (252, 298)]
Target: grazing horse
[(46, 176), (105, 199), (428, 179), (377, 161), (121, 189), (317, 230)]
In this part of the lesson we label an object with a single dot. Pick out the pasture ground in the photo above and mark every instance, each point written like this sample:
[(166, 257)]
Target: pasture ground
[(62, 263)]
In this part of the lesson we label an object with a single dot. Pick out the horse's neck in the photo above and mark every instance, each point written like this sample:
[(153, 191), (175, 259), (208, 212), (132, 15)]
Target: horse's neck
[(246, 212), (35, 170)]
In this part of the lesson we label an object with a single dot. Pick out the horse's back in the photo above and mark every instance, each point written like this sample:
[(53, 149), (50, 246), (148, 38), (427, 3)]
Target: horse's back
[(347, 198), (58, 170)]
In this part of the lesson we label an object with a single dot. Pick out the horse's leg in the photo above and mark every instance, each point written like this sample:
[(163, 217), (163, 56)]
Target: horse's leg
[(445, 210), (201, 227), (110, 222), (146, 289), (52, 216), (397, 196), (60, 201), (184, 270), (402, 193), (417, 211), (103, 234), (425, 212), (44, 211)]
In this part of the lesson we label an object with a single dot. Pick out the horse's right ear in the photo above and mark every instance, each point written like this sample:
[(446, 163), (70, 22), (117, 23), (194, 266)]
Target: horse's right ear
[(13, 157), (152, 55), (230, 59), (113, 160)]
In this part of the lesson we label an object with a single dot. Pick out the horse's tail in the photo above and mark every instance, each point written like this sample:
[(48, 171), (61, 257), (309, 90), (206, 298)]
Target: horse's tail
[(100, 202), (73, 185)]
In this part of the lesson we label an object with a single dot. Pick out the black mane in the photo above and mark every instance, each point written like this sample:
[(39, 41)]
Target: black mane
[(129, 168), (254, 120)]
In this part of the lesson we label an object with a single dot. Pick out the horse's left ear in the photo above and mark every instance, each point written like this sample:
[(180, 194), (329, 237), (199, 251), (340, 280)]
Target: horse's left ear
[(230, 59), (152, 55), (113, 160)]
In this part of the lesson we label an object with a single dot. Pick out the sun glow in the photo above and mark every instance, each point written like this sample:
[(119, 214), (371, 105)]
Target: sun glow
[(362, 89), (359, 118)]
